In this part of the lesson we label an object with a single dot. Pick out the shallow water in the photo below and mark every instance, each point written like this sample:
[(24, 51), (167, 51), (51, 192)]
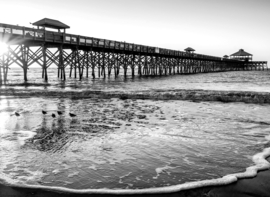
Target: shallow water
[(257, 81), (114, 143)]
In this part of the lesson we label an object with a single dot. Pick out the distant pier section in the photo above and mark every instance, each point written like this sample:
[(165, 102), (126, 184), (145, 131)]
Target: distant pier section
[(98, 57)]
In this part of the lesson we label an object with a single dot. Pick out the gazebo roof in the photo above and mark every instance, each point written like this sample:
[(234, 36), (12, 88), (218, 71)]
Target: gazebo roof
[(241, 52), (225, 56), (46, 22), (189, 49)]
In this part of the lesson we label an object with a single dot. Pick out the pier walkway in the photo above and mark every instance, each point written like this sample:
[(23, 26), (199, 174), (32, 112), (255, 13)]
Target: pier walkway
[(101, 57)]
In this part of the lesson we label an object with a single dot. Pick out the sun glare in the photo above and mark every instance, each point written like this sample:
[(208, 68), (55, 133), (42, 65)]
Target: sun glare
[(3, 48)]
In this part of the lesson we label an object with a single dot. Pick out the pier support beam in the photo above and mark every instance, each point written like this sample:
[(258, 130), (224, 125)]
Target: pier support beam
[(25, 58), (140, 62), (44, 66), (61, 65)]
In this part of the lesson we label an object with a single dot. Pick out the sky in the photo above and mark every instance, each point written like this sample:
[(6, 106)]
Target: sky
[(211, 27)]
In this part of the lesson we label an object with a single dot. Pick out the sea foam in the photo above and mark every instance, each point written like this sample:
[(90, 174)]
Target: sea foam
[(259, 159)]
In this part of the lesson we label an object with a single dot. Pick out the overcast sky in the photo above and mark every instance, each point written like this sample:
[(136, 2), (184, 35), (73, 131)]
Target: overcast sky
[(212, 27)]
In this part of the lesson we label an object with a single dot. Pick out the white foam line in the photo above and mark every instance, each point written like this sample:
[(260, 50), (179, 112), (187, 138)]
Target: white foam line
[(259, 159)]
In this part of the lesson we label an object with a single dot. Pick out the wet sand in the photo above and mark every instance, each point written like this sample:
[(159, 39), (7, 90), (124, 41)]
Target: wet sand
[(255, 187), (258, 186)]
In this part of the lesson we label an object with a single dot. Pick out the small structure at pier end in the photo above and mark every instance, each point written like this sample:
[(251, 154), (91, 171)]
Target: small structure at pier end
[(241, 55), (50, 23), (189, 50)]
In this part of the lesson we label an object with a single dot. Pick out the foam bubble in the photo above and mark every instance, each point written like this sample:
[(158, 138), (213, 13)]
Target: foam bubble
[(162, 170), (56, 171), (73, 174), (93, 167), (267, 137), (24, 135)]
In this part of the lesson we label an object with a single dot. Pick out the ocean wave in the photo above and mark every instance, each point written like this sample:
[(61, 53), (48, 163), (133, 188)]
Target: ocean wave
[(180, 94), (28, 84)]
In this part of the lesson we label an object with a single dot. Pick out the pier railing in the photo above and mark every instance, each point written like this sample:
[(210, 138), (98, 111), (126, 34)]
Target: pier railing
[(16, 34)]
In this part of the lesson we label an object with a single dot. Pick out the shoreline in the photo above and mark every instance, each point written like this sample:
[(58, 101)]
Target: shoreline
[(246, 187), (253, 182)]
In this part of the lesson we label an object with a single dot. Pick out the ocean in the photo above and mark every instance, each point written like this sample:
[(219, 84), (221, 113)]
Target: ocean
[(131, 145)]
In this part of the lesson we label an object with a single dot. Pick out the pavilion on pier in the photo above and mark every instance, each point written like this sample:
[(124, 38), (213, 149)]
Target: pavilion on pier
[(189, 50), (51, 23), (241, 55)]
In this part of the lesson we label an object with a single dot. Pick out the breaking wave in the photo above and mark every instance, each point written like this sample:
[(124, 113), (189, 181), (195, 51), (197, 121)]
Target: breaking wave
[(181, 94)]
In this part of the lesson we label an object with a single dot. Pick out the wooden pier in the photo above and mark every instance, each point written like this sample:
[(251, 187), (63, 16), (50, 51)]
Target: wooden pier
[(97, 57)]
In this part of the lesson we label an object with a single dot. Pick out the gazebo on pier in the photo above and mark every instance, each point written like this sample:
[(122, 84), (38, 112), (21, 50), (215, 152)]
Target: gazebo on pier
[(50, 23), (241, 55), (225, 56), (189, 50)]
